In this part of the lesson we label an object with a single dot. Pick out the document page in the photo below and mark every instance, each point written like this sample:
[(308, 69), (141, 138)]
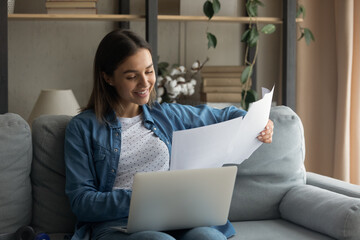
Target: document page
[(232, 141)]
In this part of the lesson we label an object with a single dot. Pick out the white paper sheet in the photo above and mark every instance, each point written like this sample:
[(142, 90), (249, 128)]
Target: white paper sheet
[(231, 141)]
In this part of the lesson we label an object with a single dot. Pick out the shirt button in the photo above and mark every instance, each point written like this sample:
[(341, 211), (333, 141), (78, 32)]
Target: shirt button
[(113, 170), (116, 134), (115, 150), (154, 129)]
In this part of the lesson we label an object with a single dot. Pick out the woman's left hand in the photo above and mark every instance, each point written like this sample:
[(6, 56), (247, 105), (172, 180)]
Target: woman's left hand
[(265, 136)]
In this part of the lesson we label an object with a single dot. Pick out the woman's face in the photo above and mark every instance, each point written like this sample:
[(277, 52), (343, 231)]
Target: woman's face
[(134, 80)]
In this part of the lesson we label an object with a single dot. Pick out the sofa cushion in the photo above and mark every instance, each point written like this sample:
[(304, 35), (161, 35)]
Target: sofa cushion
[(274, 229), (324, 211), (51, 208), (273, 169), (15, 164)]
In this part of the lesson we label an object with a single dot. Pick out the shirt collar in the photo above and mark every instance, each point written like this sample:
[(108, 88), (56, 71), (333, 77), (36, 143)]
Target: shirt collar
[(147, 116), (113, 122)]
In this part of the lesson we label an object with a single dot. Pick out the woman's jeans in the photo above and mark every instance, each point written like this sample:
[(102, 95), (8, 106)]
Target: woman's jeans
[(104, 231)]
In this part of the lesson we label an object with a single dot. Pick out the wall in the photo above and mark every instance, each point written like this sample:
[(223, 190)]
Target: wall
[(51, 55), (59, 54)]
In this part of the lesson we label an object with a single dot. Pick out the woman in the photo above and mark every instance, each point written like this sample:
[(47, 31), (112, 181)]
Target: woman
[(123, 131)]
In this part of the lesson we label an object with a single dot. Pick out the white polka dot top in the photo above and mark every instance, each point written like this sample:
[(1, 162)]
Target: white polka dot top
[(141, 151)]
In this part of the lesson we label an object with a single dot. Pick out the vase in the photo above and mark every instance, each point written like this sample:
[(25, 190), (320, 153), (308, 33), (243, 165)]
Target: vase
[(11, 6)]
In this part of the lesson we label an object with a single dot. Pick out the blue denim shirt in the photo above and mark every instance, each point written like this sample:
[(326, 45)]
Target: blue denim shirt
[(92, 152)]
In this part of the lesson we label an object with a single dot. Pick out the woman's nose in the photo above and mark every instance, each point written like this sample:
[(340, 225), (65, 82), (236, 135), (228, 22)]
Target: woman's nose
[(143, 80)]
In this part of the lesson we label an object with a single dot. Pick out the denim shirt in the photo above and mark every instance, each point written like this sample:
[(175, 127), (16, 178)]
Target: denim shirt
[(92, 153)]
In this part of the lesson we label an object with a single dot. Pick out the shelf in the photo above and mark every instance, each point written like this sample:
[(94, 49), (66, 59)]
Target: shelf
[(95, 17), (124, 17)]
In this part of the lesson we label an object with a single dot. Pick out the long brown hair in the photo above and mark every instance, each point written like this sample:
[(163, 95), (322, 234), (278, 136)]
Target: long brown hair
[(112, 51)]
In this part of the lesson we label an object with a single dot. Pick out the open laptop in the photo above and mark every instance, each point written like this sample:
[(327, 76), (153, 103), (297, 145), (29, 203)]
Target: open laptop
[(180, 199)]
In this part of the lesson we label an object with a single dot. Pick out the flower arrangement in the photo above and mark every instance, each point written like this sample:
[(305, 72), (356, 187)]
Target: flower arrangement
[(176, 82)]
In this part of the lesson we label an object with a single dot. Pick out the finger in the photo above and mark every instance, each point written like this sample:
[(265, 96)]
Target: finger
[(267, 140)]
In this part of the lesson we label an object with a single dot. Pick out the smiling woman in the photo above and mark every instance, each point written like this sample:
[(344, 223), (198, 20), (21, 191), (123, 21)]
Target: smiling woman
[(123, 131), (134, 82), (124, 76)]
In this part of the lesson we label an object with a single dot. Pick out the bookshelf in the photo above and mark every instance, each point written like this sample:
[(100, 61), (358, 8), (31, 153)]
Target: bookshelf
[(151, 18), (129, 17)]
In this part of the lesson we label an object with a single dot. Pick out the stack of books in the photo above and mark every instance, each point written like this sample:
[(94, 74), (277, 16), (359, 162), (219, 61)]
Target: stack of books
[(71, 7), (221, 84)]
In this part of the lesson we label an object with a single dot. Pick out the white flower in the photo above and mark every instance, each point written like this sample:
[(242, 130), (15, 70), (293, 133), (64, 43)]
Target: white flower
[(191, 91), (160, 91), (184, 89), (195, 66), (193, 82), (173, 83), (177, 90), (174, 71), (182, 69), (180, 79)]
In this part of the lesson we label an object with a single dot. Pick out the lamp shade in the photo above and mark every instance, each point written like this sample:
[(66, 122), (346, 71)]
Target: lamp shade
[(55, 102)]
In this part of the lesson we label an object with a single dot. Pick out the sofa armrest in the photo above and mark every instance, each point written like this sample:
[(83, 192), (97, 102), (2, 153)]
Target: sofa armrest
[(327, 212), (333, 184)]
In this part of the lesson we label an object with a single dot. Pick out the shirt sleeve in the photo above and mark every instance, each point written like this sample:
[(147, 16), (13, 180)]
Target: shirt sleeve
[(87, 202), (201, 115)]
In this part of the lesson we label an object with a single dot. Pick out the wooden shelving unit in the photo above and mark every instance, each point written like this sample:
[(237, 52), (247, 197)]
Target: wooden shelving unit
[(151, 18), (128, 17)]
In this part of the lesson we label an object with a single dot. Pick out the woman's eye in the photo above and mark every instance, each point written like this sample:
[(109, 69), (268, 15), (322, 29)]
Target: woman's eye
[(149, 72), (131, 77)]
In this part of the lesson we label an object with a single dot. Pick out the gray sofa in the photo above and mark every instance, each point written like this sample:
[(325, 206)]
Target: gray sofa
[(274, 196)]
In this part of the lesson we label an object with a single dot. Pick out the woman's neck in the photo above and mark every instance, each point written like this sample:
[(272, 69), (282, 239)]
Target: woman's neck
[(128, 112)]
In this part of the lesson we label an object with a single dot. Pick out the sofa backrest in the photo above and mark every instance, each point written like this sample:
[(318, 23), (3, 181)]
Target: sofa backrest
[(51, 207), (15, 165), (261, 182), (264, 178)]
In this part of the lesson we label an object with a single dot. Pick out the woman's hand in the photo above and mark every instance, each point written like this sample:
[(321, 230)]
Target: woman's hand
[(266, 135)]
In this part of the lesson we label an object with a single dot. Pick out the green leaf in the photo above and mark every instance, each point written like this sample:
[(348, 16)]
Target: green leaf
[(268, 29), (308, 36), (245, 36), (301, 36), (175, 65), (162, 68), (216, 6), (301, 11), (163, 65), (245, 75), (251, 96), (208, 9), (254, 36), (212, 41), (251, 8)]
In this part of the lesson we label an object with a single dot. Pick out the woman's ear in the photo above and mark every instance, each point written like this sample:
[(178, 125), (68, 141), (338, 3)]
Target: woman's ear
[(107, 78)]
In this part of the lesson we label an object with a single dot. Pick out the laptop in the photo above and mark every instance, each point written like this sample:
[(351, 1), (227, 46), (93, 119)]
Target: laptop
[(180, 199)]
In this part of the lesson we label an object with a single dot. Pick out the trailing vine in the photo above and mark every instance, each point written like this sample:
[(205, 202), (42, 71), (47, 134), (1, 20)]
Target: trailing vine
[(210, 8), (251, 38)]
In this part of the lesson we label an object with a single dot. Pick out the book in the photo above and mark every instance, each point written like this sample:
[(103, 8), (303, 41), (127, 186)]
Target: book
[(222, 69), (71, 1), (222, 82), (221, 74), (221, 97), (71, 4), (222, 89), (72, 11)]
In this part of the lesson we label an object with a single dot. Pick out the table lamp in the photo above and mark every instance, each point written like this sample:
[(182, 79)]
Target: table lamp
[(55, 102)]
